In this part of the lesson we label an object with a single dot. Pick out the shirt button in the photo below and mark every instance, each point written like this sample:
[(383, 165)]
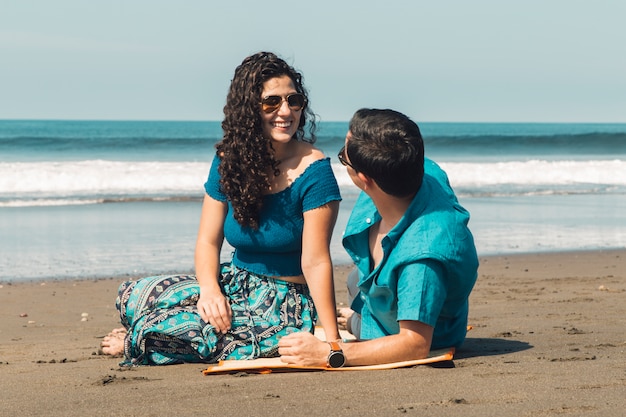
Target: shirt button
[(368, 220)]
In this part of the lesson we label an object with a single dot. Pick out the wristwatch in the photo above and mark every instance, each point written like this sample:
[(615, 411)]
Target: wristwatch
[(336, 358)]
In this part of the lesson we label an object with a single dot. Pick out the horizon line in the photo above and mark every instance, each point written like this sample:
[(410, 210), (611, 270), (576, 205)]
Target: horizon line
[(318, 121)]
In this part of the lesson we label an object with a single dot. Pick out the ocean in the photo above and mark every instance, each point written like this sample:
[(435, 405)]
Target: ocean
[(88, 199)]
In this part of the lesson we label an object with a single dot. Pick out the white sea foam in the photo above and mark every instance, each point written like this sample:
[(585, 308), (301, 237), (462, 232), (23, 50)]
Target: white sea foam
[(42, 202), (82, 182), (533, 177), (32, 182), (537, 172)]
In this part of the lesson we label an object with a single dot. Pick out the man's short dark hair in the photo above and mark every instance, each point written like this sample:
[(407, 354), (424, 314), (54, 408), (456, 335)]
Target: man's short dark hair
[(387, 146)]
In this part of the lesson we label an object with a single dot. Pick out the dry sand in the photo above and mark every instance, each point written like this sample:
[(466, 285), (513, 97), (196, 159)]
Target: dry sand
[(549, 339)]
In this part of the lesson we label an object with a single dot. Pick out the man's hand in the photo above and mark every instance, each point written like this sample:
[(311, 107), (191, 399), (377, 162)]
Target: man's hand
[(303, 349), (343, 317)]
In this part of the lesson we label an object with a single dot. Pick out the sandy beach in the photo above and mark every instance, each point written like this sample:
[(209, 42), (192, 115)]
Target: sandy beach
[(548, 339)]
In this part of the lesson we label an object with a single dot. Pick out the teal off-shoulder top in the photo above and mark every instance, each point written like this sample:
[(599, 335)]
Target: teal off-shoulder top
[(275, 248)]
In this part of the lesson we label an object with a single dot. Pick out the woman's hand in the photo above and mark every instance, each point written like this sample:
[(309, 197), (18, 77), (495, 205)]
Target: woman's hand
[(214, 309)]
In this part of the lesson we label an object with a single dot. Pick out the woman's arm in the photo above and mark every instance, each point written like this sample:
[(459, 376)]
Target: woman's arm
[(317, 265), (213, 307)]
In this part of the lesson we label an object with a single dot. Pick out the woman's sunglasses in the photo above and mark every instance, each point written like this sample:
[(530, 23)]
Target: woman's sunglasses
[(295, 102)]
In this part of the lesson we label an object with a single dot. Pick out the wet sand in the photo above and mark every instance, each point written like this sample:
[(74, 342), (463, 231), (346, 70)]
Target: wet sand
[(548, 338)]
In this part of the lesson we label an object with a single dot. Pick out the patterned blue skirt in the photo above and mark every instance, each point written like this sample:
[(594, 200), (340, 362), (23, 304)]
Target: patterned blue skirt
[(164, 326)]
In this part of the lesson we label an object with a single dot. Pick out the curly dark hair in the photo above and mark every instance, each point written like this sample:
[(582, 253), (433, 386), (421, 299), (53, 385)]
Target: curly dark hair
[(244, 151)]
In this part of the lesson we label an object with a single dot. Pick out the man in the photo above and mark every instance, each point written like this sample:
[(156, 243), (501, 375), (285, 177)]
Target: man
[(415, 258)]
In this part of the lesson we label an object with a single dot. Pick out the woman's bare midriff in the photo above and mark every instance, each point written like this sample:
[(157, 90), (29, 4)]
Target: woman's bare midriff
[(298, 279)]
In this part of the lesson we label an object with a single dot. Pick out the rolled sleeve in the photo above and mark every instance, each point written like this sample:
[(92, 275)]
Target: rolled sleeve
[(421, 292)]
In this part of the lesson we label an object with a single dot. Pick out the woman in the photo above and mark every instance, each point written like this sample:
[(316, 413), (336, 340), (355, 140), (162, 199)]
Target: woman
[(273, 196)]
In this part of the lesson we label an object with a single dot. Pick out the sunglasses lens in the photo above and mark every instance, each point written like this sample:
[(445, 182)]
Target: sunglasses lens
[(340, 156), (271, 103), (295, 101)]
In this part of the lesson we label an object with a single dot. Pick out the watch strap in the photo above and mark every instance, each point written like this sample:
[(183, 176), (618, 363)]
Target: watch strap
[(334, 346)]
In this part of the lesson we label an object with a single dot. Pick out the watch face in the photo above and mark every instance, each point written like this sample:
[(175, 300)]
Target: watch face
[(336, 359)]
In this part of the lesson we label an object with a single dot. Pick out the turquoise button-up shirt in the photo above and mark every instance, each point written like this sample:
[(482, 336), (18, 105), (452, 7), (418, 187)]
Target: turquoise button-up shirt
[(429, 264)]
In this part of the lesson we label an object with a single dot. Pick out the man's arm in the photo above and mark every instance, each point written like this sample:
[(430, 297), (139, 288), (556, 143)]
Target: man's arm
[(413, 342)]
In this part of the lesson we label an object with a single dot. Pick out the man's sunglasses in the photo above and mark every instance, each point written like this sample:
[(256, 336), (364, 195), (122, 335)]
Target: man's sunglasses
[(342, 158), (295, 102)]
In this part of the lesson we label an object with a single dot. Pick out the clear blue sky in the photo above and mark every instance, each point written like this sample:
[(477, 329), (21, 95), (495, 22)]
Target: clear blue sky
[(457, 60)]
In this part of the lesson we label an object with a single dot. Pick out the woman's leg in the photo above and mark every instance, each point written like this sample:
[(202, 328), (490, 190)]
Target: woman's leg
[(164, 327), (264, 310), (162, 320)]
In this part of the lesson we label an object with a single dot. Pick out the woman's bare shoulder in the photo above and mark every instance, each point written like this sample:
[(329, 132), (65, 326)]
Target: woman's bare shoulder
[(309, 153)]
